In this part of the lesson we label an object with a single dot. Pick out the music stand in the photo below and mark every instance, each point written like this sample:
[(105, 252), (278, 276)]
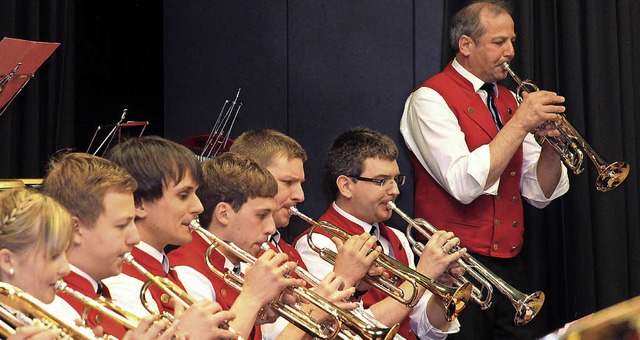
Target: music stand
[(19, 60), (116, 130)]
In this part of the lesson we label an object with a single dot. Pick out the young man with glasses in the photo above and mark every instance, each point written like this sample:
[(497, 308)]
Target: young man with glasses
[(362, 175)]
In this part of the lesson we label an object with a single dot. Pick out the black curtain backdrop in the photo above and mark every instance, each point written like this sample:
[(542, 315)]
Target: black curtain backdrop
[(582, 250), (41, 118)]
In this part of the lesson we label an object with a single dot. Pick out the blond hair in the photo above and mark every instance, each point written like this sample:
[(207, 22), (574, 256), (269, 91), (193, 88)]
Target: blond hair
[(30, 219)]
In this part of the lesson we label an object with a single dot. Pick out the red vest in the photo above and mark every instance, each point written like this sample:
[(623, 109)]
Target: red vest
[(192, 255), (94, 319), (154, 267), (290, 251), (490, 225), (373, 295)]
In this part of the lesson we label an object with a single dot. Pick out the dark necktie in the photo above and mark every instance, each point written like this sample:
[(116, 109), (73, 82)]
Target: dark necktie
[(374, 232), (488, 87), (236, 269), (100, 289)]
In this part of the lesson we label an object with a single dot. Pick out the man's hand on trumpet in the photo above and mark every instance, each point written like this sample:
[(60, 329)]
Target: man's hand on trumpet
[(437, 255), (536, 109), (355, 258), (204, 320)]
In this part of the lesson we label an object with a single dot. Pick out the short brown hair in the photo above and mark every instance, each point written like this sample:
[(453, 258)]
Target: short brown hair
[(80, 181), (467, 20), (30, 219), (350, 149), (233, 178), (264, 145)]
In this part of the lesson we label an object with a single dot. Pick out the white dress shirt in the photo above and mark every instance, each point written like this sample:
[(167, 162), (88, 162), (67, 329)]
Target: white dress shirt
[(320, 268), (125, 289), (431, 131)]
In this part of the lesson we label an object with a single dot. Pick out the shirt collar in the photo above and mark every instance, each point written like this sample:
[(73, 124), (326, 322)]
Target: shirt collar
[(84, 275), (153, 252), (366, 226), (475, 81)]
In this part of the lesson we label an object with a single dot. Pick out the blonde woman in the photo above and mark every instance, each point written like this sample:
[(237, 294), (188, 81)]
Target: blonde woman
[(35, 234)]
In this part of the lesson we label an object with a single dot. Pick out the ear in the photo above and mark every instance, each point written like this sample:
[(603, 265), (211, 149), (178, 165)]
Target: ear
[(345, 186), (141, 209), (6, 261), (223, 213), (78, 232), (465, 44)]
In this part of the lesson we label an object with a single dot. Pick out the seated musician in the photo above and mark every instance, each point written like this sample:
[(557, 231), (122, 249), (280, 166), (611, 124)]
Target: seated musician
[(362, 174), (284, 157), (99, 195), (238, 196), (35, 235)]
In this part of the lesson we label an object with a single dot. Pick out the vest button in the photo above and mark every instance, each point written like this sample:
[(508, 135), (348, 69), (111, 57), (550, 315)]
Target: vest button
[(498, 222), (515, 224), (495, 246), (223, 292), (512, 173), (514, 199), (470, 110), (164, 298), (98, 319)]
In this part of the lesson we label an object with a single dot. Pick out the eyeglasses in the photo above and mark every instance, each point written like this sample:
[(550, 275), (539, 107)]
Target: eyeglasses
[(383, 182)]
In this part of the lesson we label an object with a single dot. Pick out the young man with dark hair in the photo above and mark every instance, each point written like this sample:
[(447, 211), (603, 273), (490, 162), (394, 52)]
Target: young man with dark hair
[(362, 174), (165, 203)]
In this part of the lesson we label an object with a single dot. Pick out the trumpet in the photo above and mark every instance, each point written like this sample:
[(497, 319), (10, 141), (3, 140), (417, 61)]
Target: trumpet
[(332, 330), (28, 311), (168, 287), (572, 147), (123, 317), (455, 300), (527, 306)]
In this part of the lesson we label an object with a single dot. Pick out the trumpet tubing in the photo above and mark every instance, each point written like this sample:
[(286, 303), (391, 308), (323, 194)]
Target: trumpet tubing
[(364, 329), (572, 147), (29, 311), (102, 305), (294, 316), (527, 306), (455, 300), (168, 287)]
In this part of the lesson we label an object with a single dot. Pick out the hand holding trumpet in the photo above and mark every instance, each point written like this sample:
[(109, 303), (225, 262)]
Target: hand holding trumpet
[(439, 253), (537, 109)]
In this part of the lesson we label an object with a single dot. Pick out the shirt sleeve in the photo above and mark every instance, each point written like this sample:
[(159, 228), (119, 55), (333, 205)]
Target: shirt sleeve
[(63, 310), (125, 291), (529, 185), (431, 131), (270, 331), (197, 285)]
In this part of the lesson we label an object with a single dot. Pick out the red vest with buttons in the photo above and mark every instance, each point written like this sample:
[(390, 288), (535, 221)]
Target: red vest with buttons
[(154, 267), (373, 295), (490, 225), (93, 319), (192, 255)]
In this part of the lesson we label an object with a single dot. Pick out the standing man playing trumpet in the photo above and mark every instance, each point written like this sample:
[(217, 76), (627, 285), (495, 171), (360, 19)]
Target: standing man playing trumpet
[(362, 175), (99, 196), (476, 158)]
